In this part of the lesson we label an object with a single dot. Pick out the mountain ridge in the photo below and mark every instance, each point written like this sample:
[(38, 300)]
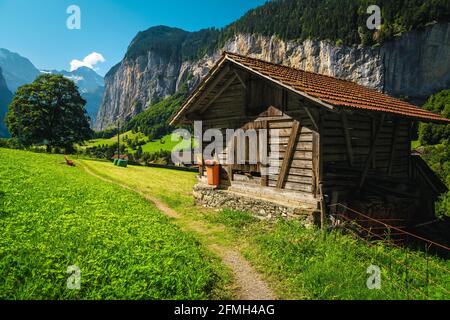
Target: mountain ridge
[(20, 71), (160, 60), (414, 65), (17, 70)]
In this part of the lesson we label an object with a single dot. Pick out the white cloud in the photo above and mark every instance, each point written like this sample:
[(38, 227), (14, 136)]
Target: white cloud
[(89, 61), (75, 78)]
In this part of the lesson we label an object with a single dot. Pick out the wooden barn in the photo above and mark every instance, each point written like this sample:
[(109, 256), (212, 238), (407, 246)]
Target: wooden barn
[(339, 142)]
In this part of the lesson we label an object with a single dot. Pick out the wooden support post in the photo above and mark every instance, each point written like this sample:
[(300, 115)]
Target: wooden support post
[(374, 130), (394, 144), (290, 150), (229, 170), (372, 152), (308, 112), (322, 208), (315, 163), (284, 100), (348, 138), (263, 151), (321, 145), (200, 162)]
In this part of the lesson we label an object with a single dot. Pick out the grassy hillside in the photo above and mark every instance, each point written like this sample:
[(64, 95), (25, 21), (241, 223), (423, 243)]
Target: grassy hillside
[(154, 121), (301, 263), (163, 144), (53, 216)]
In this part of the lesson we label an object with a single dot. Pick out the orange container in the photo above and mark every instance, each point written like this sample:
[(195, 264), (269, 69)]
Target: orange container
[(212, 172)]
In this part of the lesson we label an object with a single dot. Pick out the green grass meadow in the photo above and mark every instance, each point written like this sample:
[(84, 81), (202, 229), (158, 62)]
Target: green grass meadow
[(53, 216), (163, 144), (301, 263)]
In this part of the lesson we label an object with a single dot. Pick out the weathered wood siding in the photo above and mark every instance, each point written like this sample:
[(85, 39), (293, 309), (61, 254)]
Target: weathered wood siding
[(324, 139), (301, 175), (263, 105), (392, 149)]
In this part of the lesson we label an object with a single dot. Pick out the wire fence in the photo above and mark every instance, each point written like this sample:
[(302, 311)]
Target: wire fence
[(408, 273)]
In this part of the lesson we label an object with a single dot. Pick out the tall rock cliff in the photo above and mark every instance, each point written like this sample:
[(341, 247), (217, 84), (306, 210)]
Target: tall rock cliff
[(416, 65), (5, 99)]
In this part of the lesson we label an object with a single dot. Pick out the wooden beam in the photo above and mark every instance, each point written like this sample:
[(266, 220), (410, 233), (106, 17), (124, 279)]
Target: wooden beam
[(290, 88), (321, 144), (348, 138), (213, 85), (230, 173), (193, 116), (308, 112), (316, 163), (323, 212), (240, 78), (286, 164), (218, 94), (394, 143), (263, 151), (195, 95), (373, 132), (372, 152)]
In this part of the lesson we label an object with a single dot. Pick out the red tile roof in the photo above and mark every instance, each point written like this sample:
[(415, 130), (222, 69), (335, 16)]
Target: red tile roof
[(324, 89)]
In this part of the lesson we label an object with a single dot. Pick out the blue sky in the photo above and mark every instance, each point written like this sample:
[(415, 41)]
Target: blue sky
[(36, 29)]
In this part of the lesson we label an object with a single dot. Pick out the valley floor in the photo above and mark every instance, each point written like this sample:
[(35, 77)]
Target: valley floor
[(136, 233)]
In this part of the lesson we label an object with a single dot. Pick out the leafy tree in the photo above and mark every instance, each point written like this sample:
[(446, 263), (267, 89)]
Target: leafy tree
[(106, 134), (438, 157), (432, 134), (50, 112), (443, 206), (139, 152)]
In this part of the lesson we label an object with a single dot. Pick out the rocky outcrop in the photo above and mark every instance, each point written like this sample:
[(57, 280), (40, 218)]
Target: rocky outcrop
[(418, 63), (136, 84), (5, 99), (414, 65)]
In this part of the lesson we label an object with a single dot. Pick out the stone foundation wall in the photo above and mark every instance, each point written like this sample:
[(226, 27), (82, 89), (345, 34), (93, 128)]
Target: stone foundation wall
[(264, 209)]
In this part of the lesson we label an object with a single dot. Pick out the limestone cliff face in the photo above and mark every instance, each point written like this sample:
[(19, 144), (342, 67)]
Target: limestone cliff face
[(418, 64), (414, 65), (135, 84)]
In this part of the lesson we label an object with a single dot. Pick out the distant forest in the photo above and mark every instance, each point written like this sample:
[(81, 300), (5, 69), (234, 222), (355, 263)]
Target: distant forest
[(340, 21)]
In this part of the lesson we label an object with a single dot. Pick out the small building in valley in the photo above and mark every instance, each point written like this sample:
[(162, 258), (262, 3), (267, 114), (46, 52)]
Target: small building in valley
[(338, 142)]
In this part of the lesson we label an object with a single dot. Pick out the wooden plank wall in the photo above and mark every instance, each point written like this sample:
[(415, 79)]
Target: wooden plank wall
[(264, 102), (334, 146), (301, 176), (392, 151), (228, 109)]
